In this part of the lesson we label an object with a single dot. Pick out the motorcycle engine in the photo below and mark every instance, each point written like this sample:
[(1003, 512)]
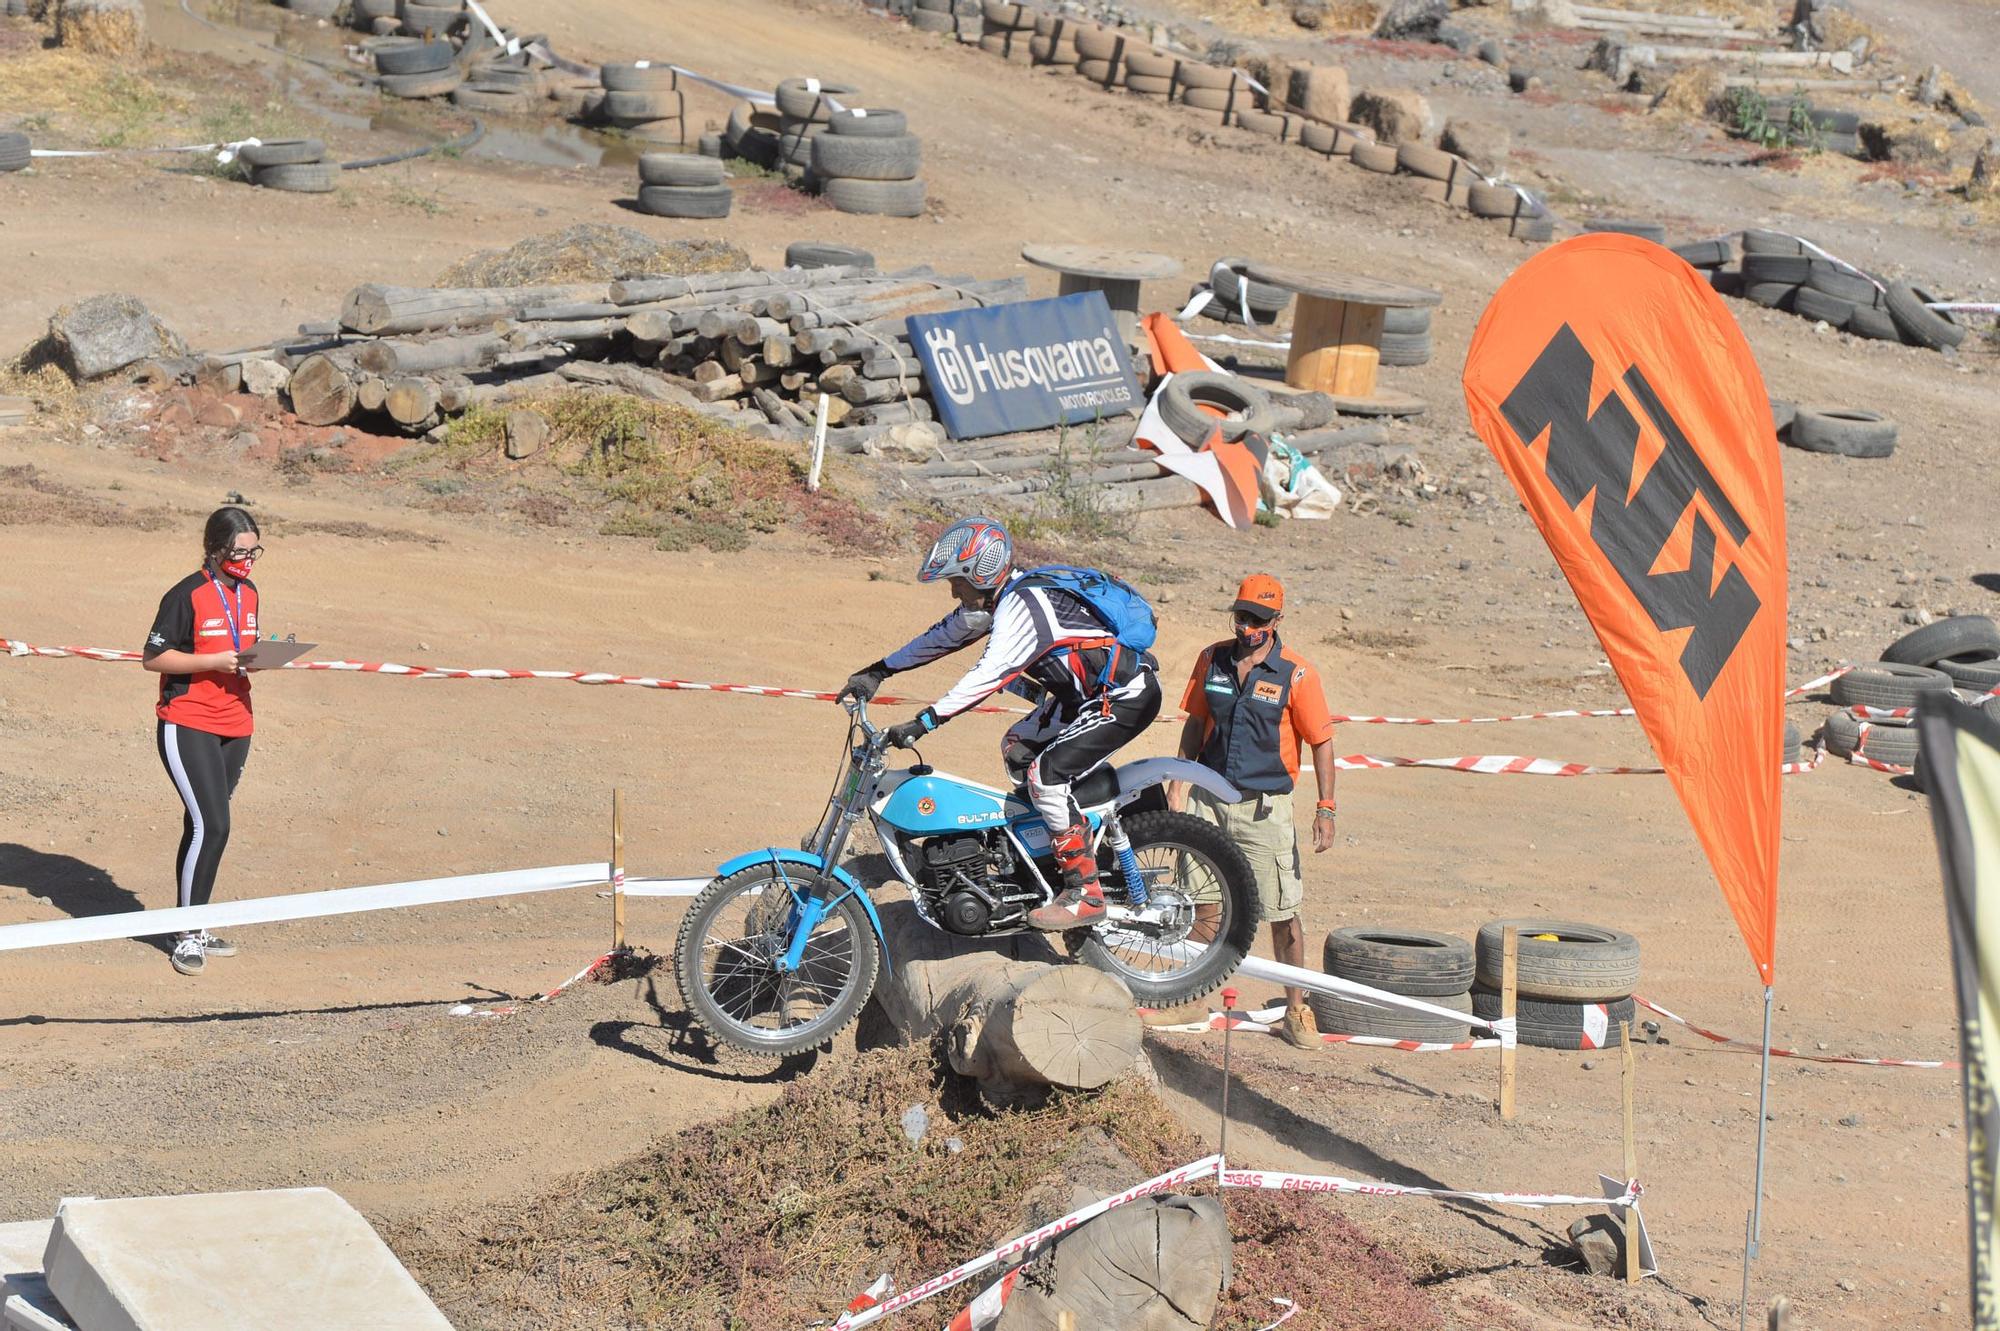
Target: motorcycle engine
[(963, 879)]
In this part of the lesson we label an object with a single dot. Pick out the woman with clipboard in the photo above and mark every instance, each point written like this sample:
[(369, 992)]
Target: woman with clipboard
[(199, 646)]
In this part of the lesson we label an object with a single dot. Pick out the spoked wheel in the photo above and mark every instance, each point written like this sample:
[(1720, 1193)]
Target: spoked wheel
[(1201, 891), (727, 957)]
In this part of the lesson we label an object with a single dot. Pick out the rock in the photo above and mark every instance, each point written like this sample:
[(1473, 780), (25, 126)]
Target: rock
[(1851, 1121), (915, 441), (1462, 40), (527, 432), (1845, 1284), (95, 337), (217, 413), (1407, 19), (1524, 80), (1154, 1265), (1984, 183), (1599, 1244), (1479, 142), (1309, 14), (1397, 115), (265, 378), (1321, 92)]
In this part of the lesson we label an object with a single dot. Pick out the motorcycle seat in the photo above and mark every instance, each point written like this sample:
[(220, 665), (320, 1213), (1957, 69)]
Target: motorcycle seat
[(1098, 786)]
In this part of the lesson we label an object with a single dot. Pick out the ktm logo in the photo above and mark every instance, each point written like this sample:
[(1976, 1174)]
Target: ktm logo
[(1593, 453)]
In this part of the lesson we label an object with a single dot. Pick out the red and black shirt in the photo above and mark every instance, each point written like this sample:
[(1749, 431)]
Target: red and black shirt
[(195, 616)]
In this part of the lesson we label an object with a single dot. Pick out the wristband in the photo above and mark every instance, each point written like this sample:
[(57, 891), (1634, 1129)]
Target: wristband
[(1324, 807)]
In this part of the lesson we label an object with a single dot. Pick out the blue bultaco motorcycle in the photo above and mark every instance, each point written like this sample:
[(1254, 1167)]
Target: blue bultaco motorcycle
[(781, 951)]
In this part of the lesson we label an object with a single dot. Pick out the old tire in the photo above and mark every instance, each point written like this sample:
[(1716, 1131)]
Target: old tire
[(844, 157), (686, 200), (1148, 85), (1837, 281), (681, 169), (1581, 963), (1884, 741), (1874, 321), (1849, 432), (1271, 126), (1147, 62), (1920, 326), (441, 84), (1706, 253), (1782, 415), (1974, 676), (1792, 269), (1348, 1016), (299, 177), (638, 78), (1377, 157), (1888, 684), (1319, 138), (415, 58), (1622, 226), (15, 152), (1405, 349), (496, 101), (1532, 227), (813, 254), (1959, 638), (796, 101), (1579, 1026), (282, 152), (1772, 295), (1770, 242), (881, 198), (1414, 962), (1492, 200), (435, 19), (1185, 395), (1193, 74), (1430, 163), (858, 122), (1811, 303), (1226, 280), (1209, 99), (930, 20), (639, 107)]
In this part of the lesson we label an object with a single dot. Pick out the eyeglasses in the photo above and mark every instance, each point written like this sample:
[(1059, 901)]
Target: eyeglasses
[(253, 553)]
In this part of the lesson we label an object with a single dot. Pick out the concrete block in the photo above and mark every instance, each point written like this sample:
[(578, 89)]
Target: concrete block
[(297, 1258), (27, 1305), (22, 1244)]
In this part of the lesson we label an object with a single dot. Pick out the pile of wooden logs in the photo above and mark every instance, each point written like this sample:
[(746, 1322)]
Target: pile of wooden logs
[(758, 350)]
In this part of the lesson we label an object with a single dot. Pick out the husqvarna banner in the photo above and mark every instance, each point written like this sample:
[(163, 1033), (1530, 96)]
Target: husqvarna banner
[(1960, 766), (1618, 394), (1025, 366)]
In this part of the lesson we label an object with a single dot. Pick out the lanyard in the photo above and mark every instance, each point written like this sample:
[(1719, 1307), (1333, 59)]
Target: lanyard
[(229, 616)]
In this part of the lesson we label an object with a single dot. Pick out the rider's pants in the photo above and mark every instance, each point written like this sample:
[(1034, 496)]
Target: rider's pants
[(1099, 729)]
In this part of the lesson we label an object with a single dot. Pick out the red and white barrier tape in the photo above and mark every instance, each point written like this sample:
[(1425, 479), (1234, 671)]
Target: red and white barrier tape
[(508, 1009), (869, 1308), (1566, 714), (1265, 1021), (1750, 1046)]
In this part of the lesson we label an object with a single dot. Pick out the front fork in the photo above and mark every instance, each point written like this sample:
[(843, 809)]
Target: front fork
[(1128, 863)]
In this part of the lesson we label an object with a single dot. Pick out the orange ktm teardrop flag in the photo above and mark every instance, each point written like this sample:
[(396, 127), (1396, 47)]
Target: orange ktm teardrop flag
[(1622, 401)]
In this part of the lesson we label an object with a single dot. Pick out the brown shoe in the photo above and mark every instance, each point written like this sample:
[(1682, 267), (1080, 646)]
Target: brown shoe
[(1076, 907), (1300, 1029)]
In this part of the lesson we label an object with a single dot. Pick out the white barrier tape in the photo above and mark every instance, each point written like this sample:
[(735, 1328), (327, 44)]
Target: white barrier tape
[(1752, 1047), (1964, 306), (224, 152), (1022, 1245), (511, 45), (1839, 262), (1297, 977), (1271, 1180), (546, 996), (662, 887), (299, 906), (1265, 1021), (752, 95), (1284, 1317), (1237, 341)]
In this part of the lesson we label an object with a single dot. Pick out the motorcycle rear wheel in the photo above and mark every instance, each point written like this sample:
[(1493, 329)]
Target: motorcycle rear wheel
[(1180, 854), (725, 962)]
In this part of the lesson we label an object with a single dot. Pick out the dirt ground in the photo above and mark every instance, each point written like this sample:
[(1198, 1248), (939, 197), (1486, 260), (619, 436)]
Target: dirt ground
[(326, 1052)]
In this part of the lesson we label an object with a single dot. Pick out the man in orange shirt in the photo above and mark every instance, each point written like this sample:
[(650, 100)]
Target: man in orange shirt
[(1251, 707)]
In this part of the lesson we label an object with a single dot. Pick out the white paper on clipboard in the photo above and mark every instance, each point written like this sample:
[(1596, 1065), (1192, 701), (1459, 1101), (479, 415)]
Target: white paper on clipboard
[(268, 655)]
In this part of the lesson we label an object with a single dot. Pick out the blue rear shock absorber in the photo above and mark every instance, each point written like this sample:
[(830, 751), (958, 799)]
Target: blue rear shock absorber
[(1128, 863)]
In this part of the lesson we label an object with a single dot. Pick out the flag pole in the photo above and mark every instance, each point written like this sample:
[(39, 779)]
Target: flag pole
[(1754, 1230)]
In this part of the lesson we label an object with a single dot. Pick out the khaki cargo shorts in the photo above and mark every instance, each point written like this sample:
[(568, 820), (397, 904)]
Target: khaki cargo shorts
[(1262, 829)]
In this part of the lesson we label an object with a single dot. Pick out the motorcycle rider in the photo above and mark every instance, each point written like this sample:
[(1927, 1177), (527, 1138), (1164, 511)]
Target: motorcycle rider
[(1043, 641)]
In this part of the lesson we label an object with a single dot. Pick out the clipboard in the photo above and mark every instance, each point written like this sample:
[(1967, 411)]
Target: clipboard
[(267, 655)]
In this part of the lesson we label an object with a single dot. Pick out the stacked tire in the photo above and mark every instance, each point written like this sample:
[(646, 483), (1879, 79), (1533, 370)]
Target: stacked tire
[(805, 106), (1782, 272), (1416, 963), (1338, 139), (1232, 291), (868, 162), (934, 16), (1008, 30), (295, 165), (1054, 42), (1441, 176), (1100, 54), (684, 185), (1711, 258), (752, 134), (430, 18), (418, 67), (645, 101), (1209, 88), (1406, 336), (1573, 982), (1149, 72), (1957, 656), (502, 87)]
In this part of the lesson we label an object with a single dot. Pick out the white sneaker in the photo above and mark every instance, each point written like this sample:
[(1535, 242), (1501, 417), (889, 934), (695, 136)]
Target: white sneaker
[(188, 954), (216, 947)]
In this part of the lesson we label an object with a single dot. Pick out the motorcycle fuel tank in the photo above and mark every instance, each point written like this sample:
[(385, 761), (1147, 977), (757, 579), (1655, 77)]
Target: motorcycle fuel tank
[(929, 805)]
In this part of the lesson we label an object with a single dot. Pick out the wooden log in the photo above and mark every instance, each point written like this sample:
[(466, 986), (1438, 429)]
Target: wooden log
[(708, 372), (752, 331), (1014, 1015), (515, 390), (714, 390), (322, 388), (633, 379), (772, 406), (219, 376), (373, 308), (411, 402), (396, 357), (525, 332), (891, 365), (454, 394), (371, 392), (867, 392), (634, 291), (893, 413), (651, 326)]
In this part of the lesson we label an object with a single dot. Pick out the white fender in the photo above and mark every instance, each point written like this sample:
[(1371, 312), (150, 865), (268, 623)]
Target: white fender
[(1135, 778)]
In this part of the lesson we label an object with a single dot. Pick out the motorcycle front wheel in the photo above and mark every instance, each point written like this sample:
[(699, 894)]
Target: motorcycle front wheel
[(731, 941), (1202, 886)]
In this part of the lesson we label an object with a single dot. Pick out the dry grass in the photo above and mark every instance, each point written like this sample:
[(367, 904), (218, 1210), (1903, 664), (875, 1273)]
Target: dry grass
[(102, 29), (592, 252), (90, 99), (1690, 92), (54, 393)]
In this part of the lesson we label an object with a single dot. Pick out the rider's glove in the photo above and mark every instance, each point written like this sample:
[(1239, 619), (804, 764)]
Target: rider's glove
[(906, 734), (861, 685)]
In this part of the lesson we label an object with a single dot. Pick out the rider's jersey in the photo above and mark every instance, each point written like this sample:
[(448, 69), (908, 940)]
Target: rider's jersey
[(1042, 640)]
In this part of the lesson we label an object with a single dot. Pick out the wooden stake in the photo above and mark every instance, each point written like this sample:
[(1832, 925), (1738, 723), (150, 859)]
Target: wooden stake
[(1510, 961), (1631, 1153), (1065, 1320), (617, 870)]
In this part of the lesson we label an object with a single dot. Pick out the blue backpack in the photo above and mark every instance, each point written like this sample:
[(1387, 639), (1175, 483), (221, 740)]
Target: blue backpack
[(1115, 602)]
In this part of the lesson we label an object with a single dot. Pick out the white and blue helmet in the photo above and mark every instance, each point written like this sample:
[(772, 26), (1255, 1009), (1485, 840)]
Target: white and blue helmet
[(976, 549)]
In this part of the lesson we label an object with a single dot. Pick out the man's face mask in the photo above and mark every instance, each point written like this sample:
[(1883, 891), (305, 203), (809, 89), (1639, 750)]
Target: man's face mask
[(1251, 633)]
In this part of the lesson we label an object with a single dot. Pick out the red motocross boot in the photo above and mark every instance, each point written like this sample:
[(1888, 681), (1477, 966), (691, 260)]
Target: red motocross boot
[(1081, 901)]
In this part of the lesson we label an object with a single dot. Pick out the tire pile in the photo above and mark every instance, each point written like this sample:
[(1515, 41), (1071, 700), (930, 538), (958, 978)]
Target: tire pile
[(439, 50), (868, 162), (684, 185), (1958, 656), (1573, 982), (1245, 408), (298, 165), (644, 100), (1233, 293), (943, 16), (1781, 272)]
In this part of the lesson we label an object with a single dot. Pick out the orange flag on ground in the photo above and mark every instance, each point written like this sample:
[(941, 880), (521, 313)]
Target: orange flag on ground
[(1232, 488), (1622, 401)]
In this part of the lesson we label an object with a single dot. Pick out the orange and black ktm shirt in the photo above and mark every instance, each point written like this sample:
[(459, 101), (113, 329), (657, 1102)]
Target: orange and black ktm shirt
[(200, 615)]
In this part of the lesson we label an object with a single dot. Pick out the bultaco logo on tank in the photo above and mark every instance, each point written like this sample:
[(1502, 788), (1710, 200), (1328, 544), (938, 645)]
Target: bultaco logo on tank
[(1026, 366)]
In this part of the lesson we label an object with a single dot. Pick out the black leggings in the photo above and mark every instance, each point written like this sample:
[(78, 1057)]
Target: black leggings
[(204, 769)]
